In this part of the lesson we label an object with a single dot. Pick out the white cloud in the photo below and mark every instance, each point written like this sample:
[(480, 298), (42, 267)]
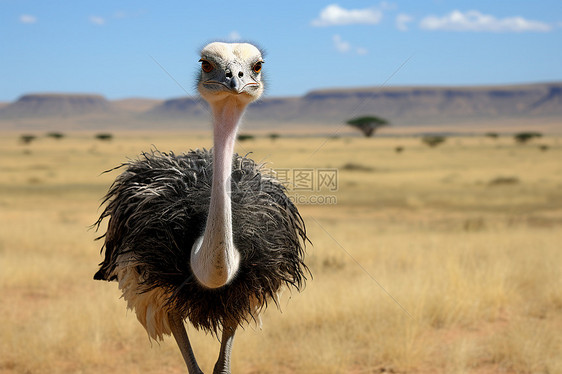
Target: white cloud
[(402, 21), (343, 46), (385, 5), (122, 14), (234, 36), (362, 51), (28, 18), (335, 15), (340, 44), (96, 20), (473, 20)]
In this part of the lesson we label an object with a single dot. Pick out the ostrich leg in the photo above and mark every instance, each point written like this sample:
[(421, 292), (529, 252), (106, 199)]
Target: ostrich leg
[(178, 330), (223, 363)]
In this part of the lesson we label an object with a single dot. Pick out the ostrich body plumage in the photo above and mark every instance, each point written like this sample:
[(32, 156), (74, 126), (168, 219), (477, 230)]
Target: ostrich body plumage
[(157, 209)]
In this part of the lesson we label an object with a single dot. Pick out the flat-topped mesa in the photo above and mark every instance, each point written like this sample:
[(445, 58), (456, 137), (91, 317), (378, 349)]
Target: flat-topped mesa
[(56, 105)]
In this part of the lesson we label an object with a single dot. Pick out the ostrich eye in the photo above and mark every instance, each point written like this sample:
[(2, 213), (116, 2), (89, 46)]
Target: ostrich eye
[(257, 67), (206, 66)]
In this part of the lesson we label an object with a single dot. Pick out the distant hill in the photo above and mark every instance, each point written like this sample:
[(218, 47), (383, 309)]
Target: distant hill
[(180, 108), (411, 105), (403, 106), (136, 105), (56, 105)]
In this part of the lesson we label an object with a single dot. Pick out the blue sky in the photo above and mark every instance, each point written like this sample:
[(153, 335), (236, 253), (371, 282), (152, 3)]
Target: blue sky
[(115, 48)]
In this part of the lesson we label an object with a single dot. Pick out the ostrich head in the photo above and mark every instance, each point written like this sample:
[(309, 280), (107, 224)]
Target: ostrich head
[(230, 71)]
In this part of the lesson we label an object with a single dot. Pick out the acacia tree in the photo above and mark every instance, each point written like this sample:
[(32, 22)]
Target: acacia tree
[(368, 124), (433, 140), (524, 137)]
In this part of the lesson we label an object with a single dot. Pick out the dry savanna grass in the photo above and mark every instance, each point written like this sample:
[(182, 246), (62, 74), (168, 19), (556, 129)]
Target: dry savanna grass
[(429, 260)]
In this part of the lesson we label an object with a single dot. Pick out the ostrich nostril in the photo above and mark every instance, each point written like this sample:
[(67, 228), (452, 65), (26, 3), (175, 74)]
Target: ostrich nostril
[(240, 74), (228, 74)]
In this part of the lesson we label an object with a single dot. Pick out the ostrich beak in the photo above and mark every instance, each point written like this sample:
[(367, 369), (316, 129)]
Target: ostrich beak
[(238, 85), (235, 85)]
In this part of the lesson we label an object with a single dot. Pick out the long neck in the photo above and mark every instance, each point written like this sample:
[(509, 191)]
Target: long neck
[(214, 259)]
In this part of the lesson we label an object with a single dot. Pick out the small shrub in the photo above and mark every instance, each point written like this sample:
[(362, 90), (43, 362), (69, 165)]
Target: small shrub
[(104, 136), (398, 149), (544, 147), (524, 137), (274, 136), (55, 135), (356, 167), (27, 138), (244, 137), (474, 224), (332, 263), (502, 181), (493, 135), (433, 140)]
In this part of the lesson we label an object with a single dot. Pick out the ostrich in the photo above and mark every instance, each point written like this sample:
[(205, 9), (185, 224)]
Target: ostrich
[(204, 236)]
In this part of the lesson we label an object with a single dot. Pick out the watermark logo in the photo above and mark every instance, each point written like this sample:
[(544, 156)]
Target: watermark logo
[(309, 186)]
